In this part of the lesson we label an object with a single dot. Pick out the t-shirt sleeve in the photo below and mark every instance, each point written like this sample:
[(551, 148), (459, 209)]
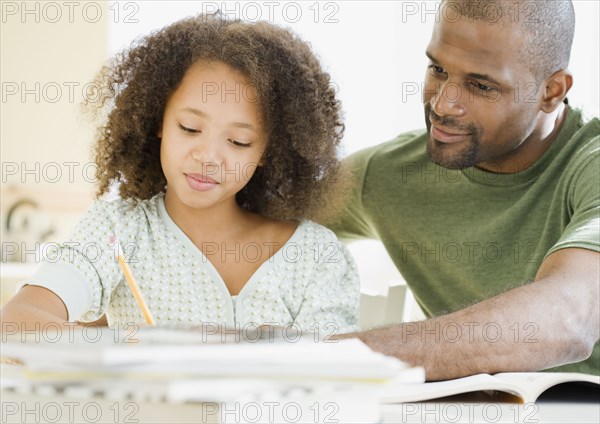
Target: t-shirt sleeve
[(583, 204), (353, 223), (83, 272), (330, 301)]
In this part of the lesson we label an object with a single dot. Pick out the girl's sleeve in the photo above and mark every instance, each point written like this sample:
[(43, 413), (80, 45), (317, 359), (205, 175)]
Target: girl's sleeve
[(330, 301), (83, 271)]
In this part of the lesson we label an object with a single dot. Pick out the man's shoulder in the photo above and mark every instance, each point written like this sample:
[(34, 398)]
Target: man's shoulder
[(407, 146), (581, 127), (583, 145)]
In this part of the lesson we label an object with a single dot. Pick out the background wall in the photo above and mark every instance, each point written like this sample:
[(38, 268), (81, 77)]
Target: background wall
[(375, 53), (50, 50)]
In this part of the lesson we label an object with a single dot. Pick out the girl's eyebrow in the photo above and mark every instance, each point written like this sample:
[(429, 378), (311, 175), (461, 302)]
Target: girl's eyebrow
[(198, 112), (194, 111)]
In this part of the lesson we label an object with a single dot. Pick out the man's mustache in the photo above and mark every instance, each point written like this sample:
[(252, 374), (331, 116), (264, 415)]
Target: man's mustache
[(447, 121)]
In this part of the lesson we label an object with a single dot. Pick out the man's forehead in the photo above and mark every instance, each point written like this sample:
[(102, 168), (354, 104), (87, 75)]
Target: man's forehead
[(477, 47), (479, 37)]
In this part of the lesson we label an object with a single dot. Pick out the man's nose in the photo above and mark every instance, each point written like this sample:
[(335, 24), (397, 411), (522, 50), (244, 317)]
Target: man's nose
[(447, 101)]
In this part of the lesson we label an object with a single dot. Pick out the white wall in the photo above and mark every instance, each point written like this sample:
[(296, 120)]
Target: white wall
[(374, 51), (49, 52)]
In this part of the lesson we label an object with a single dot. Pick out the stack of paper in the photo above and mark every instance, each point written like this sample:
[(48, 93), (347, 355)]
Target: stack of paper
[(319, 378)]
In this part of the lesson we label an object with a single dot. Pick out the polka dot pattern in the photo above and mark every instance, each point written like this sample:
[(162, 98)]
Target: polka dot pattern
[(311, 282)]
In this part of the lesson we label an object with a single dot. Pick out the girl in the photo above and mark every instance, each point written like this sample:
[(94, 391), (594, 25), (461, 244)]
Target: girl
[(222, 138)]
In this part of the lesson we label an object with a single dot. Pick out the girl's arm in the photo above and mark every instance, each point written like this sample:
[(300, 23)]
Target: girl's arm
[(30, 309)]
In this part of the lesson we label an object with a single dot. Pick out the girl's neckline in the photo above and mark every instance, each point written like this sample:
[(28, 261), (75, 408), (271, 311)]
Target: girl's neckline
[(278, 256)]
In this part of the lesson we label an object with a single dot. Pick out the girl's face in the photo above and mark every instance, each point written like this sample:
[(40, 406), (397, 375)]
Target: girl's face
[(212, 137)]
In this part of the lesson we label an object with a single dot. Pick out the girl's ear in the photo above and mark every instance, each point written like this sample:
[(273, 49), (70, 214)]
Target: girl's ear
[(159, 133), (262, 160)]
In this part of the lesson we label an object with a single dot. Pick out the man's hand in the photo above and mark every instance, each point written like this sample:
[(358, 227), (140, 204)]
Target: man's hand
[(553, 321)]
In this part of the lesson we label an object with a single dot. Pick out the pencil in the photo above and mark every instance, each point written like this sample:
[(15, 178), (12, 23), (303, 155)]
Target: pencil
[(132, 284)]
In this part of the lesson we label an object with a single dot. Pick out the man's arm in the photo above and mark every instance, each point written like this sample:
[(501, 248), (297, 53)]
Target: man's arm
[(550, 322)]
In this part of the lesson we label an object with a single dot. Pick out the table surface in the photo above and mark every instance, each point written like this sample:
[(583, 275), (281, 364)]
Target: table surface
[(472, 408), (567, 403)]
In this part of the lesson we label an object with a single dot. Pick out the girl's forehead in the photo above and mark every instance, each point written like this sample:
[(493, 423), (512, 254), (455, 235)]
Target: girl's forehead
[(217, 80), (216, 92), (214, 69)]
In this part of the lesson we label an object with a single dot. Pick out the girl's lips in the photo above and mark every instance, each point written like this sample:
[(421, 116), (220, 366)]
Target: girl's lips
[(447, 137), (202, 178), (200, 182)]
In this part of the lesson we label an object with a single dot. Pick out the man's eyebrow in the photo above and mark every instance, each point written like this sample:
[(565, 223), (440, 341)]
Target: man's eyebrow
[(474, 75), (484, 77), (430, 56)]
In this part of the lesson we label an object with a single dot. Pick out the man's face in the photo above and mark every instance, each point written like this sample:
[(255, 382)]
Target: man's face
[(482, 106)]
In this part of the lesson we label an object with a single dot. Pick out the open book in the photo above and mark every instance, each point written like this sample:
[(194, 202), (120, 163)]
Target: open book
[(526, 385)]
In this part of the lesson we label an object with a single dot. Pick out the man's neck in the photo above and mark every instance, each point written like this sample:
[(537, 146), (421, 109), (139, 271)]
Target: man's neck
[(532, 149)]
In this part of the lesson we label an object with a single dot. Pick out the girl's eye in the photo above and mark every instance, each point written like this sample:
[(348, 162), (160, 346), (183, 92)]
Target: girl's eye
[(189, 130), (237, 143)]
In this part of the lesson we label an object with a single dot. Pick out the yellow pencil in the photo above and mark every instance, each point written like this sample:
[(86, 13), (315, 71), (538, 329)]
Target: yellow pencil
[(132, 284)]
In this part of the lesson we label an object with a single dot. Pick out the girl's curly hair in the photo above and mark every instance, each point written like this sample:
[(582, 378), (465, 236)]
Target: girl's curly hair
[(301, 176)]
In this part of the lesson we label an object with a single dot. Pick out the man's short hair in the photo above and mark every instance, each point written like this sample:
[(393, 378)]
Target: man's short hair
[(548, 28)]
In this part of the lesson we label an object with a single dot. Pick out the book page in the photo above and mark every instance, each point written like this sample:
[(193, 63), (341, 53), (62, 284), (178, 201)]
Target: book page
[(417, 392), (533, 384), (527, 386)]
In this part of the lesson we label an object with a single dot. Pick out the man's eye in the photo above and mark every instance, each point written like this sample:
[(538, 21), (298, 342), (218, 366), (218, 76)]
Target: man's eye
[(189, 130), (437, 69), (483, 87)]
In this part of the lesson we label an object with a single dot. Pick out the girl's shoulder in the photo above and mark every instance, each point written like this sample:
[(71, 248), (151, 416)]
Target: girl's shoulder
[(126, 208), (320, 241), (120, 215), (320, 247), (312, 231)]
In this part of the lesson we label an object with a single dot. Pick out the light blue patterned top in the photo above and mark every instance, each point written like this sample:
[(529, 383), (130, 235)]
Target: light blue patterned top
[(312, 280)]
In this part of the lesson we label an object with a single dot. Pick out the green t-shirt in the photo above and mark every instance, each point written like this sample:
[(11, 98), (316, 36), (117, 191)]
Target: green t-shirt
[(461, 236)]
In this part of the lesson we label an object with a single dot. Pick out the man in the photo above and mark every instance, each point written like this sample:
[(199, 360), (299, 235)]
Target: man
[(493, 214)]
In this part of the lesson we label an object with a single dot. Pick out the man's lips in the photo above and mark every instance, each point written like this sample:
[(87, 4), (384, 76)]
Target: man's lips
[(447, 136)]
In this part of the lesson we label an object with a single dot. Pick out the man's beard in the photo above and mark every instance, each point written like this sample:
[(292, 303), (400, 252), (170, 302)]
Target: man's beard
[(466, 157)]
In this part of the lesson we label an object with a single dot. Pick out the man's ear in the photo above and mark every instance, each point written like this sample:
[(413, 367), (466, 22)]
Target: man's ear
[(556, 88)]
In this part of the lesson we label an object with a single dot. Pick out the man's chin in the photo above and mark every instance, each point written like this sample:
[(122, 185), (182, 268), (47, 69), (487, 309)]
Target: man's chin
[(447, 156), (449, 163)]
